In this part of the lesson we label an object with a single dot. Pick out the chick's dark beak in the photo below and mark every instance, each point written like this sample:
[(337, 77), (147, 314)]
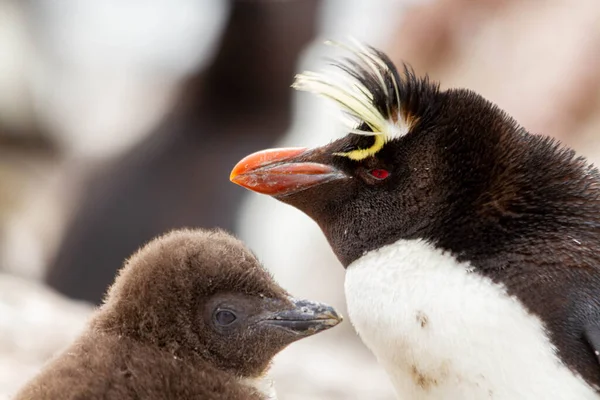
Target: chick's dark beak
[(281, 172), (305, 317)]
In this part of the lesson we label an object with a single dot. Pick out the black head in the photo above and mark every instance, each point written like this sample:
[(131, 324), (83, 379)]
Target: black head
[(419, 162), (202, 295)]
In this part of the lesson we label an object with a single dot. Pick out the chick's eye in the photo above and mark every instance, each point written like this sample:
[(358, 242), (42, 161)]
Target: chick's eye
[(379, 173), (225, 317)]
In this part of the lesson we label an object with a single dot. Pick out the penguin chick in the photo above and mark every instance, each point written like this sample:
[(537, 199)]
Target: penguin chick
[(191, 315), (471, 246)]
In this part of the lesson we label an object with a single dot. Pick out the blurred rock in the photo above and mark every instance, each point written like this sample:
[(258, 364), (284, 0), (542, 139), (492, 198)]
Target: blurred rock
[(35, 323), (27, 161)]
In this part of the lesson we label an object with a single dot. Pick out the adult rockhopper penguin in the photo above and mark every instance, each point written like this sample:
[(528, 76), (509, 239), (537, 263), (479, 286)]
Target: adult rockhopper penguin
[(471, 245), (192, 315)]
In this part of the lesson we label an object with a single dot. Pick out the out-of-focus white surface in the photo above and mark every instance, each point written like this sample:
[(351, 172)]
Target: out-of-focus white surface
[(111, 67), (35, 323)]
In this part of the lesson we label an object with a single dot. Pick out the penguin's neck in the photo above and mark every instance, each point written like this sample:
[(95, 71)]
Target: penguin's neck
[(442, 331)]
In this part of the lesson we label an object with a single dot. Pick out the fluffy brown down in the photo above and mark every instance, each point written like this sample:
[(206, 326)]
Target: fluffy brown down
[(152, 338)]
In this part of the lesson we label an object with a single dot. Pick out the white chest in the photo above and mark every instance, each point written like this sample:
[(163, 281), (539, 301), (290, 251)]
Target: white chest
[(263, 385), (442, 331)]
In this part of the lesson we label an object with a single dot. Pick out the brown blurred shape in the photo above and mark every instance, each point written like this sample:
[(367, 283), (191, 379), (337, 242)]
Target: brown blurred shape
[(178, 175)]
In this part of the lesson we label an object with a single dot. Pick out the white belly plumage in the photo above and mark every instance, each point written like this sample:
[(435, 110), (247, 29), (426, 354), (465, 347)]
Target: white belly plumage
[(442, 331)]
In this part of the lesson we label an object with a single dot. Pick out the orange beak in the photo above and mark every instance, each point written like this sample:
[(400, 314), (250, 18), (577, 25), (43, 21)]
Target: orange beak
[(280, 172)]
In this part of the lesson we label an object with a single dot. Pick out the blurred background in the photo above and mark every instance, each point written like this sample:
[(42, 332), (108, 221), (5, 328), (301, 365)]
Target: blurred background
[(121, 120)]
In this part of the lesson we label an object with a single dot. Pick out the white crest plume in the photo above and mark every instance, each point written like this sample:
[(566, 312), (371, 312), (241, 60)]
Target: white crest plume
[(367, 89)]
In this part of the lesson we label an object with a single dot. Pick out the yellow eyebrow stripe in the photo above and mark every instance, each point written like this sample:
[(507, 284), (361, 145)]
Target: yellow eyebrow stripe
[(361, 154)]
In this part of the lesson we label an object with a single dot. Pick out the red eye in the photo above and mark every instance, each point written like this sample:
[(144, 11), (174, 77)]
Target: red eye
[(379, 173)]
